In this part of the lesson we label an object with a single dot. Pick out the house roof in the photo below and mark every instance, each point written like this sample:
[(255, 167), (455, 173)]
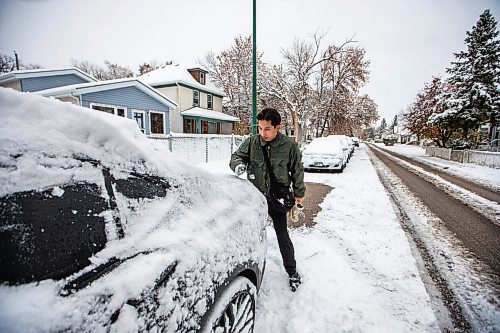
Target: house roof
[(210, 114), (30, 73), (176, 74), (85, 88)]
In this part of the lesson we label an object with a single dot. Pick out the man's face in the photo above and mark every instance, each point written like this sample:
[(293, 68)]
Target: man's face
[(267, 131)]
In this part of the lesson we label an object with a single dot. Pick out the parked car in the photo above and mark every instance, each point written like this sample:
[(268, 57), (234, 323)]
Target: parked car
[(342, 140), (390, 140), (104, 230), (324, 154), (355, 140)]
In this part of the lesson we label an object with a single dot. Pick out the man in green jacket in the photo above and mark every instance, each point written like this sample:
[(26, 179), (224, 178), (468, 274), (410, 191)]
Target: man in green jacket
[(286, 163)]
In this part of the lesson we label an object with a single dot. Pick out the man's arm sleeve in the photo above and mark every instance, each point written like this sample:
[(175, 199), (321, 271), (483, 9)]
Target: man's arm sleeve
[(241, 155), (297, 172)]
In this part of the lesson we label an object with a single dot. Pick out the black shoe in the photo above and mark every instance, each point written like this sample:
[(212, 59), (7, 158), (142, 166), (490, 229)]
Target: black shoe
[(294, 281)]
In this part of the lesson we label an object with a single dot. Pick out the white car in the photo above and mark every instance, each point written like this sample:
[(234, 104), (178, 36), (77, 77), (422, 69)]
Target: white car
[(344, 143), (104, 230), (324, 154)]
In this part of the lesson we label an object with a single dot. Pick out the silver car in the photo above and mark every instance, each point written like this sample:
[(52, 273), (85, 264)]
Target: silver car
[(324, 154)]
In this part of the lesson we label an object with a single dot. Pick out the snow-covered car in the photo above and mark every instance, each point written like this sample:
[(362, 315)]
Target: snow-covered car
[(104, 230), (355, 140), (351, 144), (324, 154), (342, 140)]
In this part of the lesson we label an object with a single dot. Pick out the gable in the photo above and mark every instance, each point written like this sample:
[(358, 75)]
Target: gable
[(130, 97), (47, 82)]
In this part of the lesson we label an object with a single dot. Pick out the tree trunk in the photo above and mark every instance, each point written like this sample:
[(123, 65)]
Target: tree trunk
[(297, 129), (492, 126)]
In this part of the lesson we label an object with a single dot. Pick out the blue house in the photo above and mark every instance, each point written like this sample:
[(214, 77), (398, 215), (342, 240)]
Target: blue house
[(39, 79), (128, 98)]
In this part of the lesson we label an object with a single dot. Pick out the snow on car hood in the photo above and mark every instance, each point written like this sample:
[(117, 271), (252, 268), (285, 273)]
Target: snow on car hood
[(208, 224)]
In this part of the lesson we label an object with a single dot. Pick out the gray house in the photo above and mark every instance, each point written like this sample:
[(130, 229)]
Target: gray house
[(39, 79), (128, 98)]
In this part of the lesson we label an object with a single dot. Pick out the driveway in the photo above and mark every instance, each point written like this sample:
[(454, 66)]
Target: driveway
[(315, 195)]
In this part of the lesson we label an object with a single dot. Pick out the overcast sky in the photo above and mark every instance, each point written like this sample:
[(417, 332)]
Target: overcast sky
[(407, 41)]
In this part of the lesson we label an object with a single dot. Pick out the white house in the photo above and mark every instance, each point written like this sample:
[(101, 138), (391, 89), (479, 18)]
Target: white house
[(199, 102)]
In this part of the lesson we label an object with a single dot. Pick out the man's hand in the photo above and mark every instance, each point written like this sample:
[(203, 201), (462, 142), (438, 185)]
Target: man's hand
[(240, 169), (299, 200)]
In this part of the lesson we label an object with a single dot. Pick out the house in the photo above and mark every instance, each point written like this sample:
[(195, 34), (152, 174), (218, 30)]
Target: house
[(40, 79), (128, 98), (199, 102)]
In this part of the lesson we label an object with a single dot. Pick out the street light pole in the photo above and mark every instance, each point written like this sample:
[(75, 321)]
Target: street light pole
[(254, 72)]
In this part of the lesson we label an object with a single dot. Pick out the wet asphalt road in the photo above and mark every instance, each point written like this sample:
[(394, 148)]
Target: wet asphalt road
[(477, 233)]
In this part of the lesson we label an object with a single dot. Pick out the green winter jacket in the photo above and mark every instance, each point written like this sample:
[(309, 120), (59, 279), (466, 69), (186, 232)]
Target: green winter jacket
[(285, 158)]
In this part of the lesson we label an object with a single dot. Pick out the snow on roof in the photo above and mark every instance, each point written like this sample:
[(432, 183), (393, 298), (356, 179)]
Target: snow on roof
[(84, 88), (29, 73), (172, 74), (200, 112)]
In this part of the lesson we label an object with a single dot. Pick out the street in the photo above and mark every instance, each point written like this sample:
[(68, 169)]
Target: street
[(471, 234)]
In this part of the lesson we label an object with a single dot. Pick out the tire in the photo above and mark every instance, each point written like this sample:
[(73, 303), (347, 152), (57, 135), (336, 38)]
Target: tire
[(234, 310)]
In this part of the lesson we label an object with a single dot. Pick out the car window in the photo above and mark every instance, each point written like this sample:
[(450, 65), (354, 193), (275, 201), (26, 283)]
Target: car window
[(50, 234), (139, 186)]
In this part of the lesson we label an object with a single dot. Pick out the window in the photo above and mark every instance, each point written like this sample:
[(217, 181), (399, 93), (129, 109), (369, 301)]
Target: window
[(196, 98), (202, 78), (157, 122), (189, 126), (209, 102), (119, 111), (213, 128), (139, 117)]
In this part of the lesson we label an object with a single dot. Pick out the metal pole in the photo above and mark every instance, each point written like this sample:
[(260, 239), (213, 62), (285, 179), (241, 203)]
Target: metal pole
[(254, 74), (17, 60)]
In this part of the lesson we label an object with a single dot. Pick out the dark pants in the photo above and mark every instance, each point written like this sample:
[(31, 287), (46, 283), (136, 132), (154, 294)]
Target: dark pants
[(284, 241)]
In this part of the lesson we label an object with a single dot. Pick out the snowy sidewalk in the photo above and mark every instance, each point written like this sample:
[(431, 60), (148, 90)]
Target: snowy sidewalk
[(357, 269)]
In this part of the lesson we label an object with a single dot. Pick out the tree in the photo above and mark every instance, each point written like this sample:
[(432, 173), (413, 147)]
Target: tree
[(383, 127), (8, 64), (308, 98), (426, 117), (475, 78), (115, 71), (111, 72), (147, 67), (345, 73), (394, 124), (231, 70)]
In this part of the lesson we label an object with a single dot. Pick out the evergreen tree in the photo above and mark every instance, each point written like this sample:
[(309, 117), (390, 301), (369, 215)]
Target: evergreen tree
[(475, 78), (382, 127), (394, 124)]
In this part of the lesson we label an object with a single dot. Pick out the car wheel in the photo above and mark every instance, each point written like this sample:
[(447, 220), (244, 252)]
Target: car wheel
[(234, 310)]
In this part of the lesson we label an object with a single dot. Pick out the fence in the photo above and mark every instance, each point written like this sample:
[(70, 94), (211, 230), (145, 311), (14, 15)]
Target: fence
[(491, 159), (204, 148)]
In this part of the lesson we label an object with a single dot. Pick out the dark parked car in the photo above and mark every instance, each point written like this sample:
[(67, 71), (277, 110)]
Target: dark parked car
[(102, 229)]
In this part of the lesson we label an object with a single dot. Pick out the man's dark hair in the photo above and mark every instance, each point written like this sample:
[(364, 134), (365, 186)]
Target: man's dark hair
[(270, 114)]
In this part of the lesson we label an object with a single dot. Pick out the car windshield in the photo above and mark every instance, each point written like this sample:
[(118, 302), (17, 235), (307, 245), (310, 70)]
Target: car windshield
[(322, 146)]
